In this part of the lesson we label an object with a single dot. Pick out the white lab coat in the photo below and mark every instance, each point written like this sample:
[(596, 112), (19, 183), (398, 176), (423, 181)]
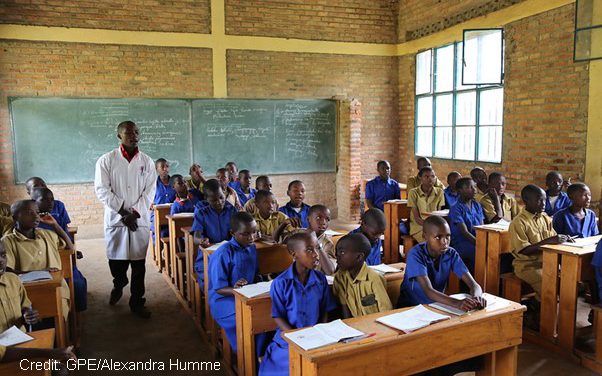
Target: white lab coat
[(132, 185)]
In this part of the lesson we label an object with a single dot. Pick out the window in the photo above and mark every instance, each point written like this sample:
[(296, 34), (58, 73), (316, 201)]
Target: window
[(455, 121)]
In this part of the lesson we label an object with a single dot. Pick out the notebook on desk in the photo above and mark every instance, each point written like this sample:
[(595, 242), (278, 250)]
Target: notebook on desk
[(323, 335), (412, 319)]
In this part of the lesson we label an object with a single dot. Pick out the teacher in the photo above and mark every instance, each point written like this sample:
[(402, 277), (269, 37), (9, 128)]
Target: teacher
[(125, 183)]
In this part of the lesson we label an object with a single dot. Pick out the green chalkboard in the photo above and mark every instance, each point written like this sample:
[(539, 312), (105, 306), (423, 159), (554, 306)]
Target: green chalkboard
[(60, 139)]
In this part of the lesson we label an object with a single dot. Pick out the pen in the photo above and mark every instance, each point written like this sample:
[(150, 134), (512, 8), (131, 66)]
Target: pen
[(353, 339), (29, 326)]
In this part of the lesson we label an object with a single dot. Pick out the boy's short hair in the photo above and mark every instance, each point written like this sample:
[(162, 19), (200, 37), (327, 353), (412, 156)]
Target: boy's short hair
[(553, 174), (316, 208), (463, 183), (425, 170), (40, 192), (17, 206), (33, 179), (160, 160), (433, 221), (494, 176), (297, 237), (244, 172), (221, 169), (529, 191), (173, 178), (453, 174), (262, 194), (477, 170), (374, 217), (294, 182), (211, 185), (262, 178), (576, 188), (358, 243), (422, 159), (239, 219), (380, 163), (124, 124)]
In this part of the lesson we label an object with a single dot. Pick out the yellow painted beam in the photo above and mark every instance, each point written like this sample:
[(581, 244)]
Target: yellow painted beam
[(220, 65)]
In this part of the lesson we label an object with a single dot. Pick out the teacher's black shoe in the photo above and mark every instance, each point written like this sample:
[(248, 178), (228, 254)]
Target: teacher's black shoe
[(141, 311), (116, 294)]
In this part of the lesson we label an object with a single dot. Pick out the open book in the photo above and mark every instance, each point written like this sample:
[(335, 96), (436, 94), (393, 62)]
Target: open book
[(183, 215), (583, 242), (502, 224), (493, 304), (441, 213), (13, 336), (215, 246), (255, 289), (323, 335), (36, 275), (384, 268), (412, 319)]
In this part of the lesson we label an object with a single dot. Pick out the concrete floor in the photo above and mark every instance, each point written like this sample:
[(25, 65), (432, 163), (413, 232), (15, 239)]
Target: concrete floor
[(113, 333)]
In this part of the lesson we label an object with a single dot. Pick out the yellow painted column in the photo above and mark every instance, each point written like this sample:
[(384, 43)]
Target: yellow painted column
[(218, 32)]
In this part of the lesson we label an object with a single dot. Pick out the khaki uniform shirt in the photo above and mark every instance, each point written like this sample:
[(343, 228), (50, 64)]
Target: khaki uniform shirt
[(14, 300), (363, 295), (418, 199), (509, 207)]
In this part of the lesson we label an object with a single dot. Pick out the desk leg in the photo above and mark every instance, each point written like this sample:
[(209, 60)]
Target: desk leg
[(549, 293), (300, 366), (571, 270), (500, 363), (494, 251), (388, 246), (240, 354), (481, 259)]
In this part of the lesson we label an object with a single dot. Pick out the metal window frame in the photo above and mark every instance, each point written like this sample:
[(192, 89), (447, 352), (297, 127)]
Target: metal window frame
[(501, 81), (579, 29)]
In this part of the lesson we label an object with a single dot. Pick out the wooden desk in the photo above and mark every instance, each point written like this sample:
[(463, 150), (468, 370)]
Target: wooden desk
[(46, 298), (490, 245), (72, 232), (193, 295), (160, 212), (254, 316), (42, 339), (573, 260), (175, 223), (394, 213), (493, 334), (67, 262)]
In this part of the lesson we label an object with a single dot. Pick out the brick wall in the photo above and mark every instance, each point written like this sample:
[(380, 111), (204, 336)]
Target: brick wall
[(349, 21), (193, 16), (545, 104)]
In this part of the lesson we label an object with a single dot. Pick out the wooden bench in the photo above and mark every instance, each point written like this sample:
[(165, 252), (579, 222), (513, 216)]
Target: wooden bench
[(160, 211), (67, 262)]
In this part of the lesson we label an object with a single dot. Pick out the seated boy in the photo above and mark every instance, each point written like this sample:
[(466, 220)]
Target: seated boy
[(232, 172), (272, 224), (164, 193), (243, 187), (480, 177), (415, 181), (211, 222), (296, 208), (360, 290), (58, 211), (428, 267), (382, 188), (556, 199), (185, 201), (372, 225), (424, 199), (496, 204), (44, 198), (29, 248), (319, 218), (300, 298), (196, 181), (262, 183), (576, 220), (528, 232), (463, 216), (450, 193), (231, 196), (231, 266)]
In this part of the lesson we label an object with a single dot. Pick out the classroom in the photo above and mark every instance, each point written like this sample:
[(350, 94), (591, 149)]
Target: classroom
[(273, 187)]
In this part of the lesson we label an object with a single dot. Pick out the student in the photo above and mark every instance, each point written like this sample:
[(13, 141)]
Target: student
[(196, 181), (450, 193), (360, 290), (382, 188), (373, 225), (233, 265), (58, 211), (415, 181), (300, 298), (463, 216), (243, 187), (272, 224), (44, 198), (211, 222), (576, 220), (164, 193), (262, 183), (480, 177), (556, 199), (185, 201), (428, 267), (232, 170), (29, 248), (496, 204), (528, 232), (319, 219), (423, 199), (231, 196), (296, 208)]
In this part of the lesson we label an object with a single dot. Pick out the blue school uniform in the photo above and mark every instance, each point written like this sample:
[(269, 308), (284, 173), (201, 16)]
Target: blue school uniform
[(380, 191), (242, 196), (59, 213), (184, 206), (451, 197), (198, 195), (420, 263), (301, 306), (374, 258), (213, 226), (227, 265), (597, 264), (164, 194), (290, 212), (470, 216), (564, 222), (562, 202)]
